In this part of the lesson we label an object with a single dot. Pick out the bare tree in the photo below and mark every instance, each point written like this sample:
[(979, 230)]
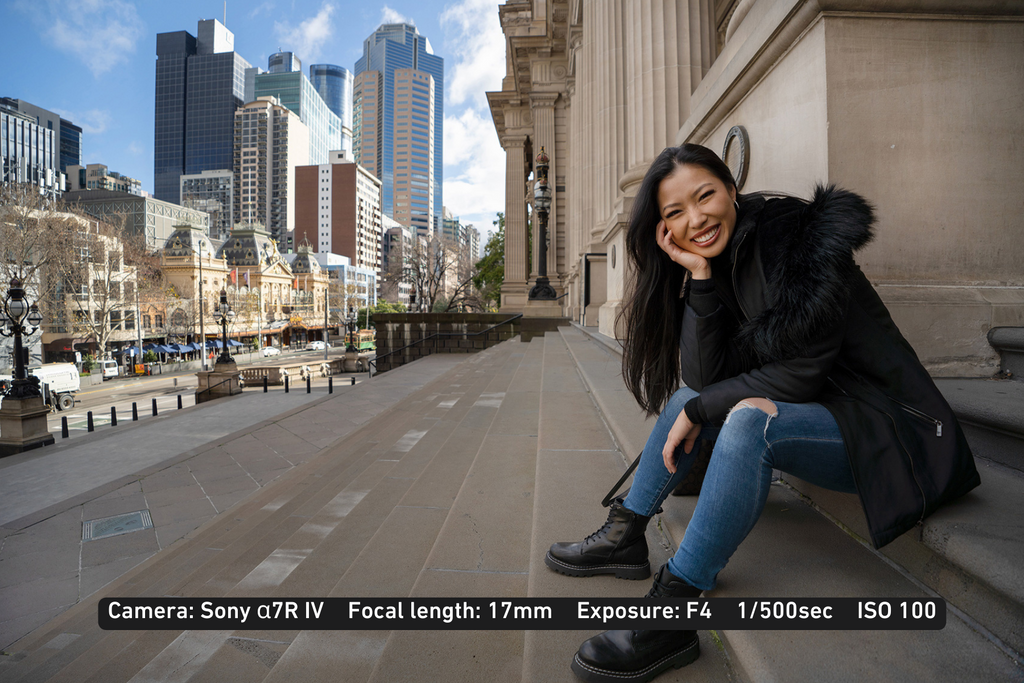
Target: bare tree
[(31, 231), (438, 271), (98, 266)]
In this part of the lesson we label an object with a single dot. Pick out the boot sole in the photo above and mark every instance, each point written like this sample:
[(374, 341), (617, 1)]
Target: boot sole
[(621, 571), (677, 660)]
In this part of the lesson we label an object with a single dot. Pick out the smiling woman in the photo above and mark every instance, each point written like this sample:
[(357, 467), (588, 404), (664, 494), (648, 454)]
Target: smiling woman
[(751, 329)]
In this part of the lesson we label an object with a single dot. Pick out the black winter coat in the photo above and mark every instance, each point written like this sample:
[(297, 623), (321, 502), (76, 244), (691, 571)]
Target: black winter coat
[(806, 326)]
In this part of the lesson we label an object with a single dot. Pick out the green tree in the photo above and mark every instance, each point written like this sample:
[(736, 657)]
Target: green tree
[(365, 317), (491, 268)]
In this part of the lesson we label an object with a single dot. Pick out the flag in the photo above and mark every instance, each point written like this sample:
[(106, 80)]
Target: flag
[(295, 283), (234, 276), (247, 278)]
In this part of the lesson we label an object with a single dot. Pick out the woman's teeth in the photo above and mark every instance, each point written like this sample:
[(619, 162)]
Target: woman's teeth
[(708, 237)]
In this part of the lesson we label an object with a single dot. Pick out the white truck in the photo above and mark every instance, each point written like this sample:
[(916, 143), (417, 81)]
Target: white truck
[(60, 379)]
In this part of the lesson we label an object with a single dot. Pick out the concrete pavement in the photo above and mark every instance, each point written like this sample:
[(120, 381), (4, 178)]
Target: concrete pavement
[(456, 488)]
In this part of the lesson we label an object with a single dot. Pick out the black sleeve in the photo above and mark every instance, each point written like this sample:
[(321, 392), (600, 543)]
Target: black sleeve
[(797, 380), (705, 354)]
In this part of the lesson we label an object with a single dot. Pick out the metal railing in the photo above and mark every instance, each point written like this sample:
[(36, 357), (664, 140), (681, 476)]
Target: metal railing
[(372, 363)]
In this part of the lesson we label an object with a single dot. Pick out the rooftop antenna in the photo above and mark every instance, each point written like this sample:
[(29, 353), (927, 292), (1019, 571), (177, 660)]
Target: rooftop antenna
[(225, 12)]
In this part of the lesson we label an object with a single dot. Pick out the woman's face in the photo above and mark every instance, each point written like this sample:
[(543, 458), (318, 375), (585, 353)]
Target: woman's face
[(698, 210)]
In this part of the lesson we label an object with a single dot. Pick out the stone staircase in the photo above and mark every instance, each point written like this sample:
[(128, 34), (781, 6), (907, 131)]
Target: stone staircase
[(458, 490)]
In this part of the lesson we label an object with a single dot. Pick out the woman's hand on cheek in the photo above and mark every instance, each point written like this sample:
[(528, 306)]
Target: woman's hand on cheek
[(697, 265)]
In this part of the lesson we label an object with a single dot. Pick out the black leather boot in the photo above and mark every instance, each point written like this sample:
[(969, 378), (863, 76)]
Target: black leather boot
[(639, 656), (619, 547)]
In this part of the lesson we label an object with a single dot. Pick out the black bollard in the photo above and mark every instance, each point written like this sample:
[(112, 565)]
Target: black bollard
[(179, 401), (353, 380), (154, 407), (330, 385), (113, 416), (309, 387), (264, 384), (135, 411), (286, 384), (89, 418), (64, 427)]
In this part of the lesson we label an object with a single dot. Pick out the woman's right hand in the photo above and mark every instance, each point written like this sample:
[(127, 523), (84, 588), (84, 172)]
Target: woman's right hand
[(698, 266)]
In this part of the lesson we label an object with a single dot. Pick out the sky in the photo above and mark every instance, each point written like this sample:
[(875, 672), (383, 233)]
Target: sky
[(94, 63)]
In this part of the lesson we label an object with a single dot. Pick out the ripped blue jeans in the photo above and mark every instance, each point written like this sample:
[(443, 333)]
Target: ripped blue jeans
[(802, 439)]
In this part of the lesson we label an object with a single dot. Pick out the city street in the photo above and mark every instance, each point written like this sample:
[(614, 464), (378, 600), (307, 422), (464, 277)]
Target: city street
[(122, 392)]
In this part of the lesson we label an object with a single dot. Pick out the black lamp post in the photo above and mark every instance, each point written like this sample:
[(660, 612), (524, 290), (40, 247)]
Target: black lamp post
[(13, 318), (351, 324), (224, 315), (542, 290)]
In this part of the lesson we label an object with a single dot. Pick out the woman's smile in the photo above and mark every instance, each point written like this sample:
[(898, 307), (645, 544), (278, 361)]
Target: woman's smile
[(706, 238)]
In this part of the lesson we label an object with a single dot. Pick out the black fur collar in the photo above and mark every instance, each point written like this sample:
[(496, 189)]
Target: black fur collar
[(807, 258)]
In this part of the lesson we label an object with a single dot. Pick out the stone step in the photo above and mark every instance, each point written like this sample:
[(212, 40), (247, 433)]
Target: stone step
[(225, 556), (1009, 343), (795, 551), (482, 548), (577, 461)]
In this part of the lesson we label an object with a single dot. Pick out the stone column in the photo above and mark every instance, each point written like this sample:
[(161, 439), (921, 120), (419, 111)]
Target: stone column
[(514, 289), (664, 64)]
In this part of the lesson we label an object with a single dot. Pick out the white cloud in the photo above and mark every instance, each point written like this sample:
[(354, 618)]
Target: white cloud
[(474, 169), (308, 38), (390, 16), (261, 9), (473, 37), (100, 34), (93, 121), (135, 148)]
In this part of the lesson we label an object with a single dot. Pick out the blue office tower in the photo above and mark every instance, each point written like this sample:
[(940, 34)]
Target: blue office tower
[(200, 82), (390, 54)]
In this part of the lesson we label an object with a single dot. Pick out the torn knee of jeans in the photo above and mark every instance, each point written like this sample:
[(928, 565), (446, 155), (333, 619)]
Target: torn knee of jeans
[(762, 404)]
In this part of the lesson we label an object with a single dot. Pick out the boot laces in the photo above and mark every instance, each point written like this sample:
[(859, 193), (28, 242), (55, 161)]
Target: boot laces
[(599, 533)]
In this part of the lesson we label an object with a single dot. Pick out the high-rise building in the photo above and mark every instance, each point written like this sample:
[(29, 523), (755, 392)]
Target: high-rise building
[(399, 93), (200, 82), (334, 84), (212, 192), (269, 142), (69, 135), (337, 210), (294, 90), (29, 152)]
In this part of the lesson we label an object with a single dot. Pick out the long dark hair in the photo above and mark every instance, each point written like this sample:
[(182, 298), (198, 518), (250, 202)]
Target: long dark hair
[(652, 315)]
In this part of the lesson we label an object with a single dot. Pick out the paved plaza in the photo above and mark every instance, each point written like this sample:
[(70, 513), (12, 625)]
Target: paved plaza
[(448, 477)]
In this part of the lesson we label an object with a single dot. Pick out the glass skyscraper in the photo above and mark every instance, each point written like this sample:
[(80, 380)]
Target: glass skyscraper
[(200, 82), (393, 49), (327, 132), (334, 83), (69, 135)]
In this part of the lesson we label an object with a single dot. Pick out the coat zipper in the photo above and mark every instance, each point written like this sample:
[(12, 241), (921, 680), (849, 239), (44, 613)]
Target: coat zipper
[(896, 431), (735, 289), (913, 470), (917, 413)]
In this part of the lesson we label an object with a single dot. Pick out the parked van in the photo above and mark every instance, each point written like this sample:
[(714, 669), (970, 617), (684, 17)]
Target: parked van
[(108, 368), (60, 379)]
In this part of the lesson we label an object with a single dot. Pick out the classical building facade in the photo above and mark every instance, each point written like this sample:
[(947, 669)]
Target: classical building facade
[(912, 105)]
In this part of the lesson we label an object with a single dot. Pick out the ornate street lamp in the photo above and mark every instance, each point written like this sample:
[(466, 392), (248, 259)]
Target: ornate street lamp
[(14, 314), (224, 315), (351, 324), (542, 205)]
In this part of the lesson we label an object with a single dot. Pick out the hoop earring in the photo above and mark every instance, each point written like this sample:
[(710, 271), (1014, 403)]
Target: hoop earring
[(736, 202)]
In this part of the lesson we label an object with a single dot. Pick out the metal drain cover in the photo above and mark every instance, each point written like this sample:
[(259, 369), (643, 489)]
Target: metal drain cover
[(106, 527)]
